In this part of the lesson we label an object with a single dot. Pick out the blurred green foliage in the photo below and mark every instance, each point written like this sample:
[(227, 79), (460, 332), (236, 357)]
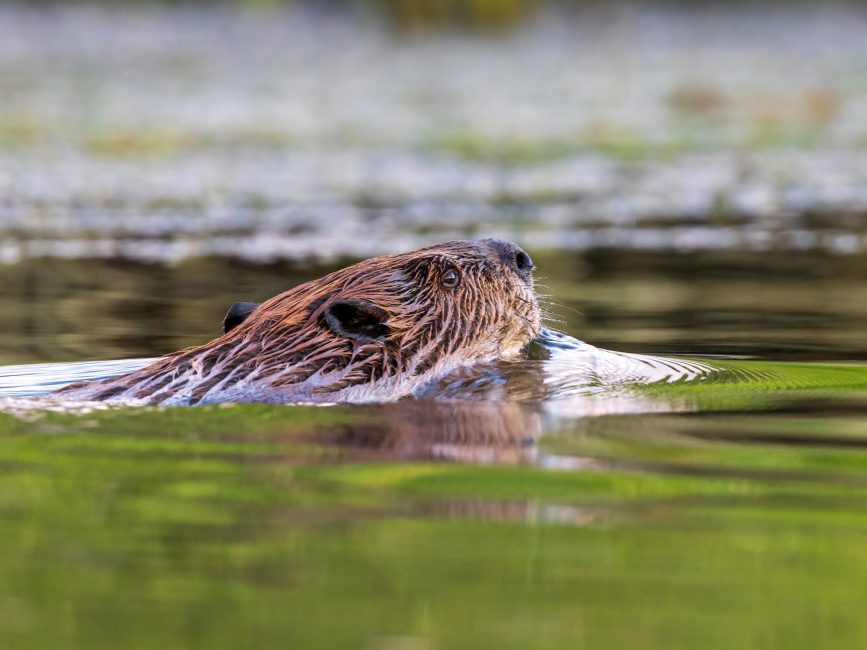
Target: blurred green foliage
[(408, 15), (414, 16), (477, 15)]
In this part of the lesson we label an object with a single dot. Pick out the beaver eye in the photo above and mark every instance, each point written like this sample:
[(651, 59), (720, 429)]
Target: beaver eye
[(451, 279)]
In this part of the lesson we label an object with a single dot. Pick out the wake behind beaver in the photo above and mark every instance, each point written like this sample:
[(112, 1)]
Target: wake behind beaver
[(561, 372)]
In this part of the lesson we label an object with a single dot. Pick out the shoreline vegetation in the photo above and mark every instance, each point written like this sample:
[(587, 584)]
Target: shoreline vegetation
[(256, 133)]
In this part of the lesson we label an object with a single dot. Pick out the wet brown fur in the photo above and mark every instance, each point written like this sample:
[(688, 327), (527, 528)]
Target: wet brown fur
[(286, 351)]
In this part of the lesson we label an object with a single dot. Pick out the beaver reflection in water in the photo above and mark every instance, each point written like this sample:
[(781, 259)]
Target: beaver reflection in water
[(375, 331)]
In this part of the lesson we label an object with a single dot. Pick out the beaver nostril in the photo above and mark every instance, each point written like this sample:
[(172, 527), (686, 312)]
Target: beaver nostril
[(523, 262)]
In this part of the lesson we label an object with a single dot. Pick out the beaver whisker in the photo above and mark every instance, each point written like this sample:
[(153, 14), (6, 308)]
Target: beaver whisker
[(547, 300)]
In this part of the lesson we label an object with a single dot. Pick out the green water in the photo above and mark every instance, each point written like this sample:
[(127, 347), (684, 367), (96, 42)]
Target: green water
[(721, 513)]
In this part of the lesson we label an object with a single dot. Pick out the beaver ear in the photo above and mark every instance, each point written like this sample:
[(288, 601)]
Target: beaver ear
[(237, 314), (357, 319)]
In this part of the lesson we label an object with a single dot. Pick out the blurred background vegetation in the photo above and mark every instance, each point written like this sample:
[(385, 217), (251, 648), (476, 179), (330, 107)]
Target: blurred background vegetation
[(420, 16), (160, 160)]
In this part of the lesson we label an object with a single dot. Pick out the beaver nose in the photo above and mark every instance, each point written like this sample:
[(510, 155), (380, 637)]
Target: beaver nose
[(523, 262), (512, 256)]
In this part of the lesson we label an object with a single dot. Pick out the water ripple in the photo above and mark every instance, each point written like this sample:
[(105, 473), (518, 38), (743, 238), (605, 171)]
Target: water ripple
[(560, 370), (36, 379)]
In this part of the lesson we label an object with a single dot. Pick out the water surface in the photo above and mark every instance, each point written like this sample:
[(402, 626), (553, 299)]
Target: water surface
[(703, 486)]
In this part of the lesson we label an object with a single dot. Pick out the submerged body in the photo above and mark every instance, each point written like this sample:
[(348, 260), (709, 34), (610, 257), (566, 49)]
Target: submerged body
[(376, 331)]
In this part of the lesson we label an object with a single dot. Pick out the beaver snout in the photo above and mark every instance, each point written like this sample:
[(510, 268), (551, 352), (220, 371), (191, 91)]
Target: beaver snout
[(511, 256), (523, 262)]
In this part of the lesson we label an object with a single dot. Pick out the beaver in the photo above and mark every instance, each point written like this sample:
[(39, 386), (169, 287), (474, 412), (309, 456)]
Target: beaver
[(375, 331)]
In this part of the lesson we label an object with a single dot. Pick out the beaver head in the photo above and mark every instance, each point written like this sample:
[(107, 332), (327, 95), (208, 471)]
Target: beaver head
[(375, 331)]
